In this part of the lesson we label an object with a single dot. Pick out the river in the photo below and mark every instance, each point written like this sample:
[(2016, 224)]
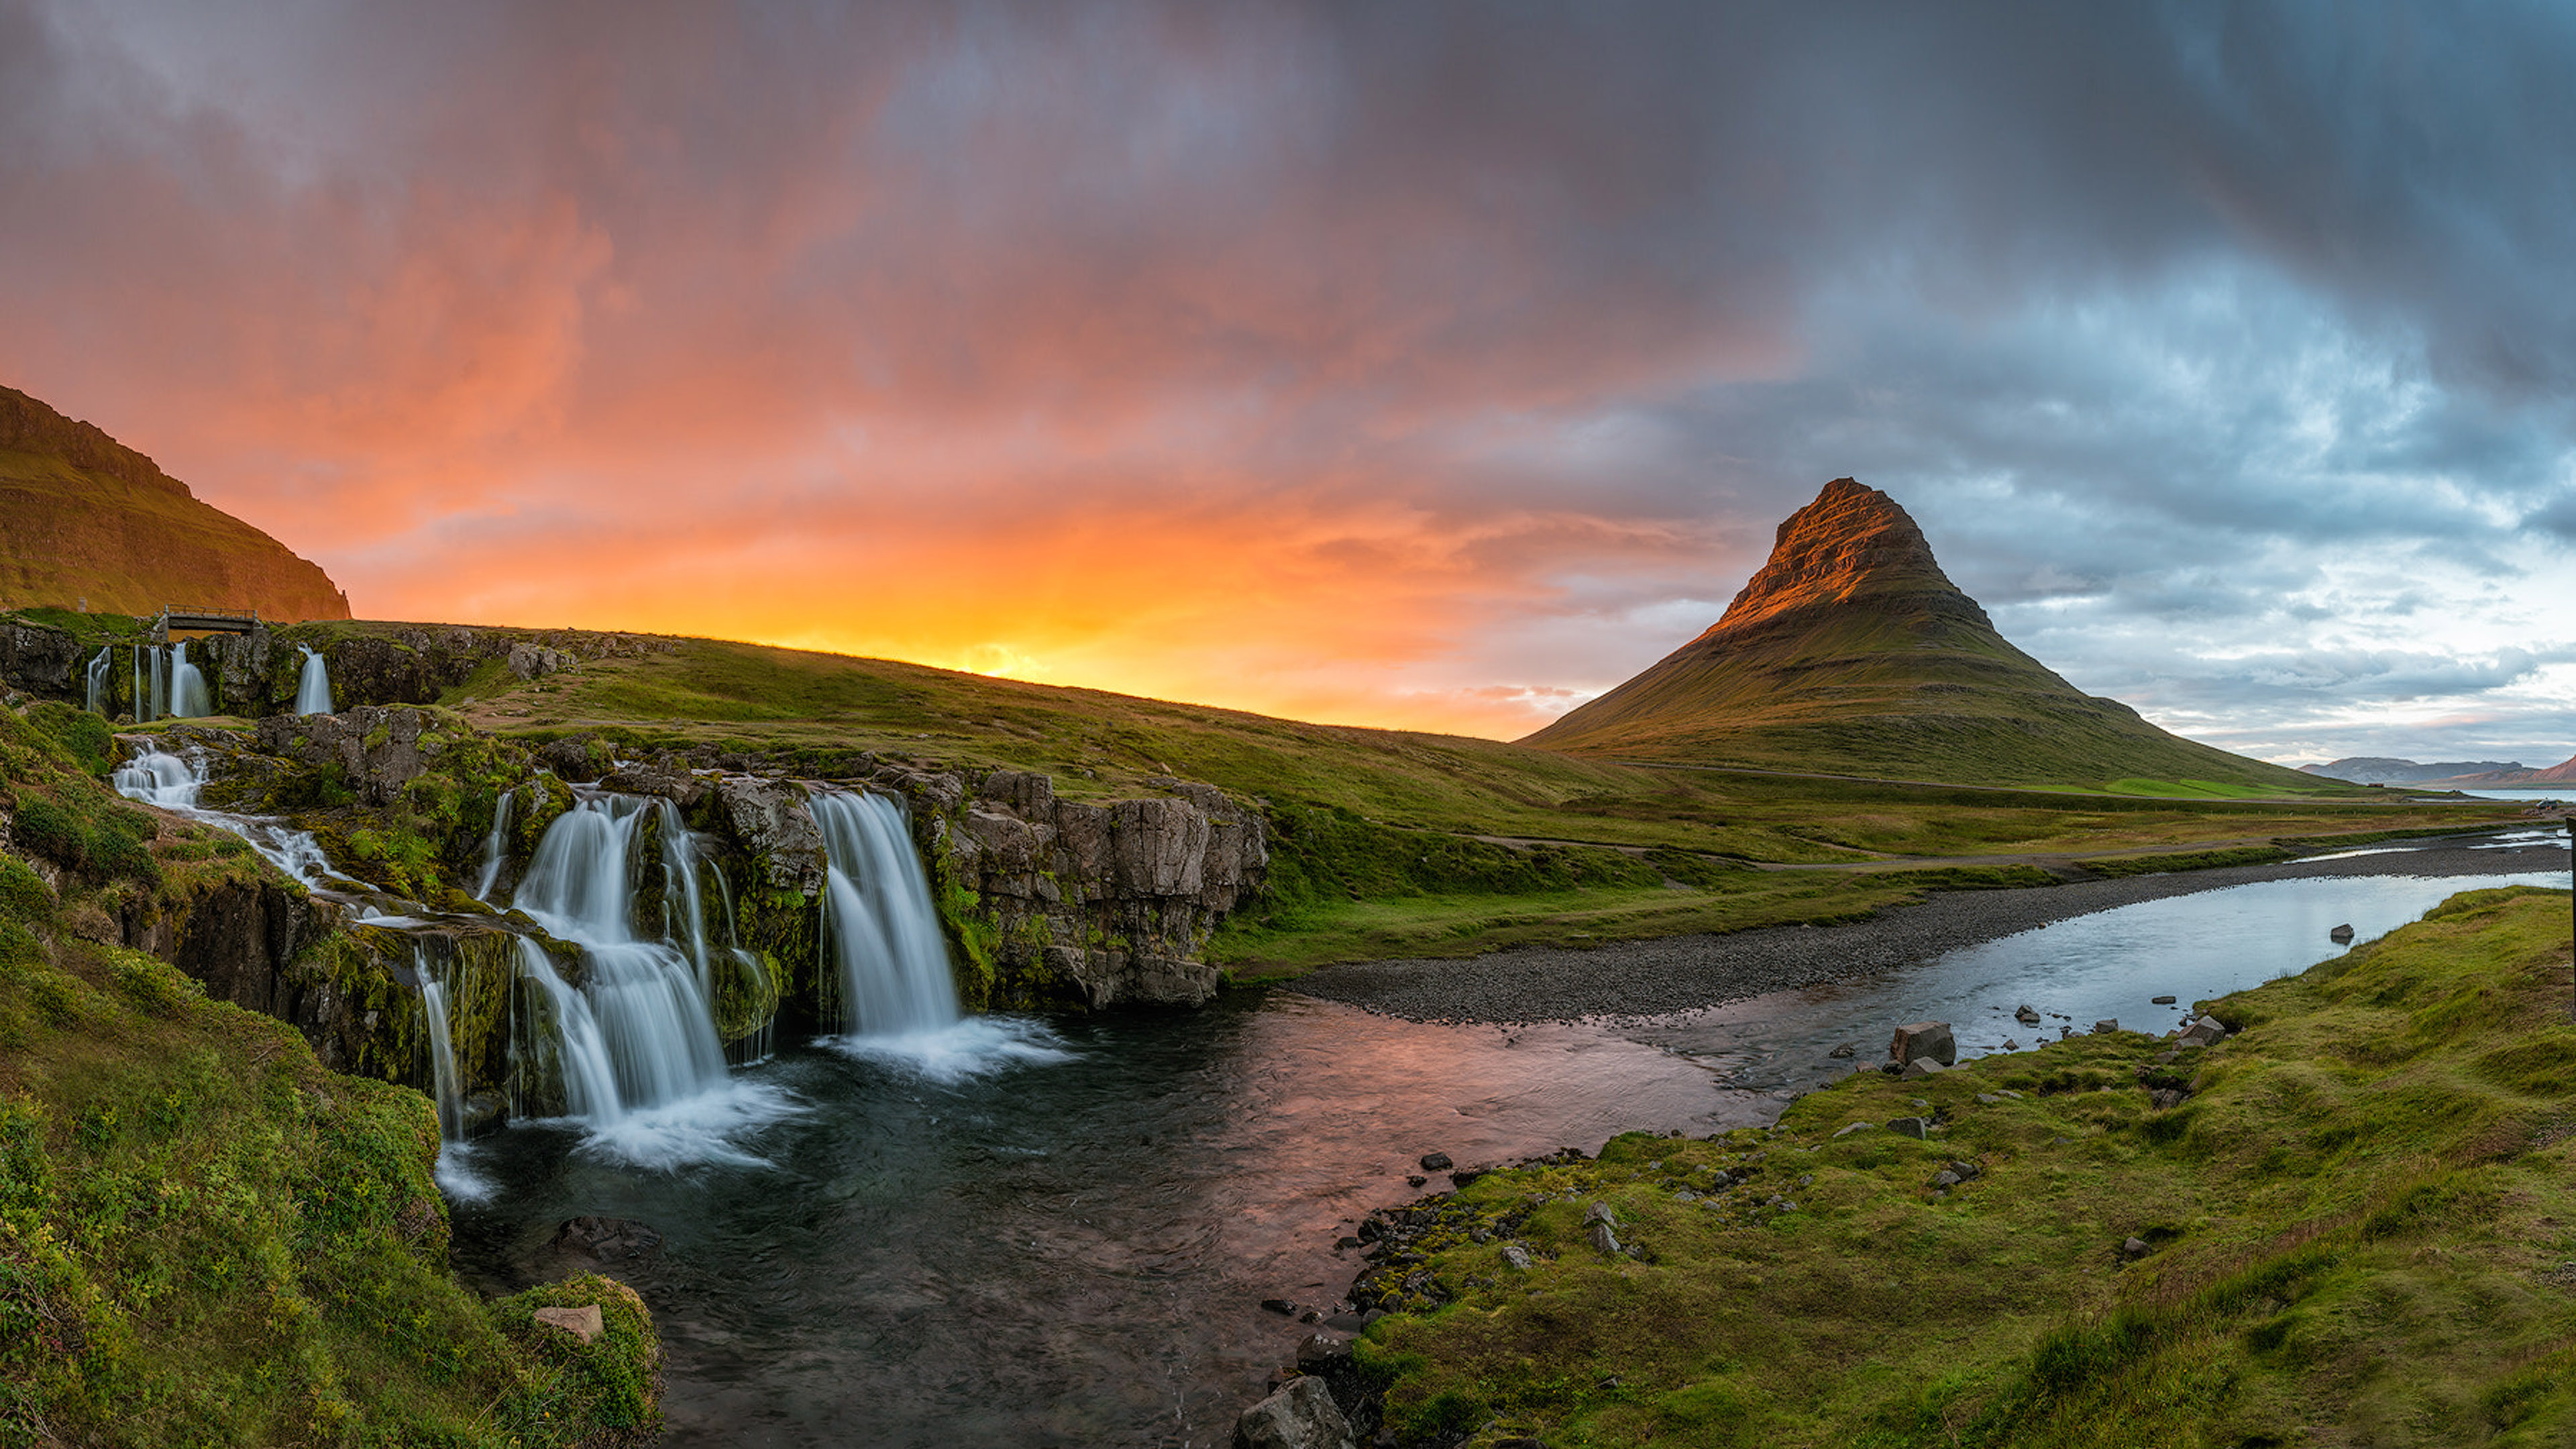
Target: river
[(1060, 1232)]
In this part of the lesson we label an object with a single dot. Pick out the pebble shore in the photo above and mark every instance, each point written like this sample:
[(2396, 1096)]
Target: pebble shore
[(1684, 973)]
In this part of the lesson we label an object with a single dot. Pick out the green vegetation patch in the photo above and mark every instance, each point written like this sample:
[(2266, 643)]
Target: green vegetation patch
[(2122, 865), (2358, 1219)]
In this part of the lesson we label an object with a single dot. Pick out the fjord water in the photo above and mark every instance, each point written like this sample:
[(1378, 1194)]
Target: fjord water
[(1069, 1246)]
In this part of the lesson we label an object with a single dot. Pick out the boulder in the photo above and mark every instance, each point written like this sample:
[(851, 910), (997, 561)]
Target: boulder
[(774, 822), (1600, 1236), (1848, 1129), (2203, 1031), (1436, 1162), (1301, 1415), (378, 749), (1921, 1040), (1846, 1050), (1921, 1067), (1917, 1128), (2027, 1015), (2134, 1249), (1517, 1256), (2340, 935), (681, 787)]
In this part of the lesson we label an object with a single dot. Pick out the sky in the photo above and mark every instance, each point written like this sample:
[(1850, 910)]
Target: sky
[(1424, 365)]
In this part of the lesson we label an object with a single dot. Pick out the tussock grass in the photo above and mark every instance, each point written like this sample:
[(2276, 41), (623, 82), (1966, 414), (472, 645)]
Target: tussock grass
[(2362, 1230)]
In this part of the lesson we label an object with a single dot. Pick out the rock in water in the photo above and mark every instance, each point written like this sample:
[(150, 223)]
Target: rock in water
[(2340, 935), (1299, 1416), (1436, 1162), (1923, 1039)]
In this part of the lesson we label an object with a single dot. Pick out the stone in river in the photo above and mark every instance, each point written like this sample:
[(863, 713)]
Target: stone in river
[(2106, 1026), (1280, 1306), (1299, 1416), (1847, 1049), (1436, 1162), (2340, 935), (1918, 1040), (2160, 1001), (2027, 1015)]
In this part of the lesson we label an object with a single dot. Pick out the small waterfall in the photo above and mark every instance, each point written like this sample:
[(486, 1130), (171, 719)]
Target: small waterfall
[(189, 698), (153, 707), (646, 999), (171, 782), (590, 1083), (142, 706), (894, 962), (98, 682), (313, 688), (496, 846), (442, 1053)]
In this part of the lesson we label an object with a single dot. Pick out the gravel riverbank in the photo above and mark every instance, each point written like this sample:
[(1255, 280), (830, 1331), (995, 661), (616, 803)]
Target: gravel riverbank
[(1683, 973)]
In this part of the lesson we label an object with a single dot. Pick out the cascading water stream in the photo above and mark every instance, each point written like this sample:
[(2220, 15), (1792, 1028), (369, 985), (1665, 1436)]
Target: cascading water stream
[(188, 696), (313, 687), (894, 962), (645, 1001), (442, 1053), (172, 782), (496, 847), (153, 708), (98, 682)]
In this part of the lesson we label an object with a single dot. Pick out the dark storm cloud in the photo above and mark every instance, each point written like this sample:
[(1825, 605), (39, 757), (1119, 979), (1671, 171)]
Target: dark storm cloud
[(1518, 322)]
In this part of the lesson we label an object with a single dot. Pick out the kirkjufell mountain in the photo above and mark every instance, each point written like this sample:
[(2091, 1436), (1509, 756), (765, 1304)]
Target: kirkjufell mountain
[(1851, 652), (84, 517)]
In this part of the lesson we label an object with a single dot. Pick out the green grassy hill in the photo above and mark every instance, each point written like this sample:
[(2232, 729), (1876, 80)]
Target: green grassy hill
[(2356, 1231), (1851, 652), (84, 517)]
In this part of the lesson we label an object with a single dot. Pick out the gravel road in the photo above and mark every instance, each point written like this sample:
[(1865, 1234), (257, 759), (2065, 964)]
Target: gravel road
[(1681, 973)]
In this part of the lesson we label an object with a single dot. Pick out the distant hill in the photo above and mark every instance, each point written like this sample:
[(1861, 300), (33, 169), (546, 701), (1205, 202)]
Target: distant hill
[(2560, 776), (1852, 652), (82, 516), (2381, 770)]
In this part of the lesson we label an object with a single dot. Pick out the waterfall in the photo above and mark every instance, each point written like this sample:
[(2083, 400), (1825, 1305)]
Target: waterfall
[(647, 1000), (894, 962), (590, 1083), (188, 696), (442, 1052), (313, 689), (98, 682), (152, 708), (142, 706), (171, 782), (496, 846)]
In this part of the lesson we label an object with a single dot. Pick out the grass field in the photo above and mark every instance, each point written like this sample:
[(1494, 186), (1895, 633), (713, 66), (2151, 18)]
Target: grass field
[(1389, 842), (2360, 1230)]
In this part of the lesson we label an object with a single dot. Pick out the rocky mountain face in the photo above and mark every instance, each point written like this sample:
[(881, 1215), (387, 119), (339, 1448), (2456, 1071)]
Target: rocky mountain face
[(2562, 774), (88, 523), (2383, 770), (1851, 652)]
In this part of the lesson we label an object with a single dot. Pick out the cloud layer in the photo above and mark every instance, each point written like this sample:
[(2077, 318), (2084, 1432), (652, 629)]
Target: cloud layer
[(1435, 365)]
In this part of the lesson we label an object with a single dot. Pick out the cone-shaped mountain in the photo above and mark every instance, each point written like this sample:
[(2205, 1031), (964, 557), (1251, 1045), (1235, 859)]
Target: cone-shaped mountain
[(1850, 652)]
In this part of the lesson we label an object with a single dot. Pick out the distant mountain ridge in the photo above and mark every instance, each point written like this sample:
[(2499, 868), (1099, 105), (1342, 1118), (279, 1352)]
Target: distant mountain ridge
[(1850, 651), (2559, 776), (84, 517), (2383, 770)]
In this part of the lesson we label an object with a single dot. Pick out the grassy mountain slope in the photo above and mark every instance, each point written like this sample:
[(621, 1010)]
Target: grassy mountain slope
[(84, 517), (2358, 1223), (1850, 651)]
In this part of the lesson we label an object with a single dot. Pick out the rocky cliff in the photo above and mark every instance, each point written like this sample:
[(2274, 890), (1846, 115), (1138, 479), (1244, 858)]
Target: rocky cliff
[(1851, 652), (88, 523)]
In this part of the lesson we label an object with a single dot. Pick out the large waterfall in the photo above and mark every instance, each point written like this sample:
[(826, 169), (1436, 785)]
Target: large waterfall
[(313, 687), (894, 962)]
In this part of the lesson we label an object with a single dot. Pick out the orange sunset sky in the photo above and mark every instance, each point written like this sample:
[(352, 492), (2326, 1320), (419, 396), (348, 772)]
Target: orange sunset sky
[(1428, 365)]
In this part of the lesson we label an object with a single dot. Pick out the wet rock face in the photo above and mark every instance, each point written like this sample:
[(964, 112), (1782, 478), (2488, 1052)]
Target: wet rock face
[(1092, 905), (378, 750), (772, 823), (42, 661)]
